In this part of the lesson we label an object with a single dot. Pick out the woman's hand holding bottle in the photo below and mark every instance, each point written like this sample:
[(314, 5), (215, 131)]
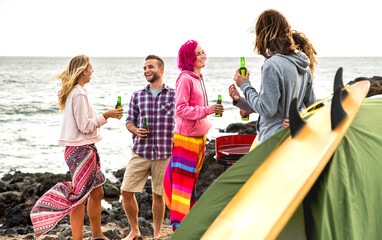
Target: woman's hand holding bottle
[(217, 108), (113, 113)]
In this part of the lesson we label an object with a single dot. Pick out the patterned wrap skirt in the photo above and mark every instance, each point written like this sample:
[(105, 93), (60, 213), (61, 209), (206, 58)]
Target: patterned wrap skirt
[(182, 173), (61, 199)]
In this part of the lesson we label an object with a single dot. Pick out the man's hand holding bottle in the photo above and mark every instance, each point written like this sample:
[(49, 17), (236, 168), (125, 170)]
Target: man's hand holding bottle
[(239, 79), (142, 133)]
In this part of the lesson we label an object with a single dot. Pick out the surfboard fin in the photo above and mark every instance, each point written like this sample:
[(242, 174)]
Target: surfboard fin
[(337, 112), (338, 82), (295, 121)]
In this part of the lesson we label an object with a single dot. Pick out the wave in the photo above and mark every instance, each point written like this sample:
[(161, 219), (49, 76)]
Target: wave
[(28, 109)]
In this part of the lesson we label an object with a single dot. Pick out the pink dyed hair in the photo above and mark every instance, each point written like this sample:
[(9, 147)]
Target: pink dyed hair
[(187, 56)]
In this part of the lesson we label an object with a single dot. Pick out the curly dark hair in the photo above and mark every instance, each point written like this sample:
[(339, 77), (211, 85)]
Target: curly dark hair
[(303, 44)]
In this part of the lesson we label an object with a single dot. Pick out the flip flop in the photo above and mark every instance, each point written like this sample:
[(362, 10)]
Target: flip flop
[(157, 238), (136, 238)]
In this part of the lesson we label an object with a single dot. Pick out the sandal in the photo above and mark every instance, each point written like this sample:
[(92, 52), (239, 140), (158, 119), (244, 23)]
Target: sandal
[(156, 238)]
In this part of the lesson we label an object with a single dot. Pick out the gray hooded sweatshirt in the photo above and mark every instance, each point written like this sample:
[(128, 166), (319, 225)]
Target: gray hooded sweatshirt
[(282, 79)]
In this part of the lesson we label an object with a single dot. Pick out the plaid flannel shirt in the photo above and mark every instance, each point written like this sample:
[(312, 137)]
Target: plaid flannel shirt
[(159, 113)]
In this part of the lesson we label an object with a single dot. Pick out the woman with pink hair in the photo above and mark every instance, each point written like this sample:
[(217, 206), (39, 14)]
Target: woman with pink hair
[(191, 126)]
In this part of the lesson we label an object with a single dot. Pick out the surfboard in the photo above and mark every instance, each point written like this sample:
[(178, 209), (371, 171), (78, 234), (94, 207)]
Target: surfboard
[(266, 202)]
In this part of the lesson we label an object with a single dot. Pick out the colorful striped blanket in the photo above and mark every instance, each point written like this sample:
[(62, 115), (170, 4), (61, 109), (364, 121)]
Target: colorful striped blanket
[(182, 173), (84, 166)]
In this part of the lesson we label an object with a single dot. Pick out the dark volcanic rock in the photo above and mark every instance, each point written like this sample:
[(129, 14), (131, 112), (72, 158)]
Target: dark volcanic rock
[(10, 197), (112, 234), (67, 232), (145, 227), (144, 200), (29, 236), (234, 127), (375, 85), (240, 128), (110, 190), (4, 186), (16, 216), (119, 174)]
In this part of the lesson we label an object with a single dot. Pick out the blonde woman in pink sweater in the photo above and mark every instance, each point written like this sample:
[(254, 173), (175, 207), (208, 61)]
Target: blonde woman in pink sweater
[(79, 132), (191, 126)]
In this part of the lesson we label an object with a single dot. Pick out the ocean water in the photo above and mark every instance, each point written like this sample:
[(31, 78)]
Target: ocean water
[(30, 119)]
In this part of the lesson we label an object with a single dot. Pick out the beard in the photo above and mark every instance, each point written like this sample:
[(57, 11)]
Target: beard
[(154, 77)]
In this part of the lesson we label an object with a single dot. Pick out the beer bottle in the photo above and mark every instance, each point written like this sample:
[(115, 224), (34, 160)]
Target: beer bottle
[(145, 127), (219, 102), (242, 69), (118, 105)]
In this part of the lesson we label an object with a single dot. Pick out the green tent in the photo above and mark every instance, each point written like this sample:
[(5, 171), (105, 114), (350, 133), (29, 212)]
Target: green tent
[(344, 203)]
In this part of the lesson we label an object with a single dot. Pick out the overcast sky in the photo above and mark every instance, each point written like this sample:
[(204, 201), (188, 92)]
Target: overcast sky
[(131, 28)]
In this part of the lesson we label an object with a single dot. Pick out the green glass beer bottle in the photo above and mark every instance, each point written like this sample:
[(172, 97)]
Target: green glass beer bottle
[(242, 69), (219, 102), (243, 72), (145, 127), (118, 105)]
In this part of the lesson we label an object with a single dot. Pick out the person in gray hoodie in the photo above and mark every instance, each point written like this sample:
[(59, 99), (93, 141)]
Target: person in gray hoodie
[(285, 75)]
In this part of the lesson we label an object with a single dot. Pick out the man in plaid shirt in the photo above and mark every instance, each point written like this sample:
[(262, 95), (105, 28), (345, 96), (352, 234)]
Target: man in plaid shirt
[(152, 148)]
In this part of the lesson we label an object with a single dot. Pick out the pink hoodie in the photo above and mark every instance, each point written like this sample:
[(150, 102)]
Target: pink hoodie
[(191, 106)]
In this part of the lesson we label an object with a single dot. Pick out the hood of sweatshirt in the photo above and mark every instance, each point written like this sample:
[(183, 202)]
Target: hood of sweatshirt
[(195, 77), (192, 74), (300, 60)]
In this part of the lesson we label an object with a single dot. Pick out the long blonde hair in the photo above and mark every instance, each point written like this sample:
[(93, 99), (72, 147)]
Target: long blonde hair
[(69, 77)]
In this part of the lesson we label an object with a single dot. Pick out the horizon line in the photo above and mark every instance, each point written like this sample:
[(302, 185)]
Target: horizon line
[(102, 56)]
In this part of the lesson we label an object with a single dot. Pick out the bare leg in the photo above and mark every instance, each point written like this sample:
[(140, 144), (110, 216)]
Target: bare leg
[(94, 209), (131, 209), (158, 214), (77, 221)]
